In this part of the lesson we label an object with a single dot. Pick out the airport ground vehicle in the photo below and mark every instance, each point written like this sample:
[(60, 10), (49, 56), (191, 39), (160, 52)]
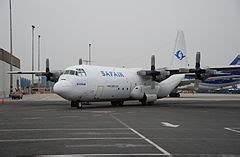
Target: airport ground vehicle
[(16, 95)]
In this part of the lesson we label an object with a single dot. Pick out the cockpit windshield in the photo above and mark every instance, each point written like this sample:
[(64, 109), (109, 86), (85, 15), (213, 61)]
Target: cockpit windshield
[(81, 72), (77, 72)]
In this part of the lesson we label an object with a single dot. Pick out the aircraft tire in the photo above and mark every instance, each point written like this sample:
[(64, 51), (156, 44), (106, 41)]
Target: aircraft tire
[(174, 95), (79, 105), (74, 104), (117, 103), (143, 102)]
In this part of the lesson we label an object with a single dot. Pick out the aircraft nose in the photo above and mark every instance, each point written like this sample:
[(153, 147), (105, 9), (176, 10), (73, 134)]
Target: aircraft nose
[(64, 89)]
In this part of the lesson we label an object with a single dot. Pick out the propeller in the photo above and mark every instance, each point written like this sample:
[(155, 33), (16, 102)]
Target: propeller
[(48, 73), (198, 70), (200, 74), (153, 72), (47, 65)]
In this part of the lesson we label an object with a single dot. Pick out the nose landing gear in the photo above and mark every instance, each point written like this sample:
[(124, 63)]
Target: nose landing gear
[(76, 104)]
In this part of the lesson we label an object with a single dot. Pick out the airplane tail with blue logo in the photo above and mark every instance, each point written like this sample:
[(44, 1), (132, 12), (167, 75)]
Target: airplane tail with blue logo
[(236, 61), (179, 58)]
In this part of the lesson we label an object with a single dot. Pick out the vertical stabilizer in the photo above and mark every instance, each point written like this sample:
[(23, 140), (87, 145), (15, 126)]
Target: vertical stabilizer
[(179, 58), (236, 61)]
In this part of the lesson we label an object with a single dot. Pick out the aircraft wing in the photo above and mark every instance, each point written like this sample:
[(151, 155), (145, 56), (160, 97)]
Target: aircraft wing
[(185, 82), (37, 73), (225, 68), (235, 77), (51, 75)]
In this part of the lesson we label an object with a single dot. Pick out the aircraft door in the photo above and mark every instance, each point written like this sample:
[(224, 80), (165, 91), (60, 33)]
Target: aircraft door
[(99, 92)]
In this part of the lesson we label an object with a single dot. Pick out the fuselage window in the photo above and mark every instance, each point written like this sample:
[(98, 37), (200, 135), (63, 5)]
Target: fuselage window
[(81, 72)]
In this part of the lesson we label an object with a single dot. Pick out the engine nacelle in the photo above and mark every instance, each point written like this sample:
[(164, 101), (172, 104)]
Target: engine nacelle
[(150, 97), (143, 93)]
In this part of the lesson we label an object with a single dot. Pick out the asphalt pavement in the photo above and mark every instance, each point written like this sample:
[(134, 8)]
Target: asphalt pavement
[(194, 125)]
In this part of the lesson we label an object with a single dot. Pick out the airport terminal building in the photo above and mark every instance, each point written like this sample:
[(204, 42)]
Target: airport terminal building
[(4, 77)]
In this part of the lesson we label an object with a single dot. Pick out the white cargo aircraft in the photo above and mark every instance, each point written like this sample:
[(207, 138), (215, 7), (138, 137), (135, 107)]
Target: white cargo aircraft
[(88, 83)]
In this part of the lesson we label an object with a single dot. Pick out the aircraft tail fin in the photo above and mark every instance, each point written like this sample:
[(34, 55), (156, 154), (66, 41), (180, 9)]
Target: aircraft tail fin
[(179, 58), (236, 61)]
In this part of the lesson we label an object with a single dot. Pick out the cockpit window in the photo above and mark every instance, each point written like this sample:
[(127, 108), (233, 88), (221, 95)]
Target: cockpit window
[(67, 72), (71, 72), (77, 72), (81, 72)]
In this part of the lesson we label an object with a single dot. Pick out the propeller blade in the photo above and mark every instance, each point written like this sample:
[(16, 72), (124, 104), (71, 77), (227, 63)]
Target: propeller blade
[(198, 59), (80, 61), (153, 62), (47, 65)]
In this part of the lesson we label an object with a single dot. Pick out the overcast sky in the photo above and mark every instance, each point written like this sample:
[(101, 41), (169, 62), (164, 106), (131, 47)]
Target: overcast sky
[(122, 32)]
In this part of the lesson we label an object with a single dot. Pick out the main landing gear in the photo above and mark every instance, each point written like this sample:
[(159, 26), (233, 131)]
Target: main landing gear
[(143, 102), (174, 95), (117, 103), (76, 104)]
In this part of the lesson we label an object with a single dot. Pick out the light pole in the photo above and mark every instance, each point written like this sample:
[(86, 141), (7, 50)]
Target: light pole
[(39, 52), (11, 78), (89, 54), (39, 60), (33, 54)]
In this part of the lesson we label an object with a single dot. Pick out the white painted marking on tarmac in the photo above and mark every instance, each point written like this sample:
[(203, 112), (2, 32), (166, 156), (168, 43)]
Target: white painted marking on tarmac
[(80, 155), (32, 118), (105, 133), (46, 110), (143, 137), (68, 116), (232, 130), (67, 139), (98, 111), (61, 129), (98, 115), (169, 125), (120, 145)]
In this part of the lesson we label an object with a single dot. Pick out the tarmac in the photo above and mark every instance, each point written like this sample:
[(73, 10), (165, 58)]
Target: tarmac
[(193, 125)]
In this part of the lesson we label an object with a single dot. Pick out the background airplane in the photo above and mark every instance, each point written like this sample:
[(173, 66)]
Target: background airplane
[(222, 77), (227, 77)]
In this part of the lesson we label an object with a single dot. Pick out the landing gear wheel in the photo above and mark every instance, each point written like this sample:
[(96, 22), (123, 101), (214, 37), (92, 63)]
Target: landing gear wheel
[(117, 103), (151, 103), (143, 102), (73, 104), (76, 104), (79, 106), (146, 103), (174, 95)]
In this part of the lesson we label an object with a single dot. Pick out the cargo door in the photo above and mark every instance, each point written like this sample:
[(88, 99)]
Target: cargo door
[(99, 92)]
